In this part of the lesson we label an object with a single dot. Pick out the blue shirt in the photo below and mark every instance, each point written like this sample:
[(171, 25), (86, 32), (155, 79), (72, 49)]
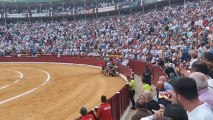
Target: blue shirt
[(211, 51), (168, 86)]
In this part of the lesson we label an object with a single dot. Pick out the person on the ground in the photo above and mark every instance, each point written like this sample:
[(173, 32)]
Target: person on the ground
[(113, 69)]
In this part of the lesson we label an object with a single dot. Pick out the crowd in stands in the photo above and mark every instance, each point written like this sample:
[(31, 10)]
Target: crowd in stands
[(175, 36), (171, 33), (183, 38), (65, 6)]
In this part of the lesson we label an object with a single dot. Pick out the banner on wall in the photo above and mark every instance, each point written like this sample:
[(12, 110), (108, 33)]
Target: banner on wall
[(21, 15), (105, 9), (62, 14), (150, 1), (88, 11), (129, 5), (40, 15)]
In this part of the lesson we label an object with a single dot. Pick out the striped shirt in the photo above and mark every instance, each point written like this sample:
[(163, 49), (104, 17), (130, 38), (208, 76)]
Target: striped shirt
[(205, 95)]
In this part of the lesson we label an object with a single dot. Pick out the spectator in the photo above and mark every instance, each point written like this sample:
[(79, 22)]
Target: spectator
[(168, 70), (85, 115), (194, 58), (175, 112), (142, 110), (167, 85), (187, 95), (205, 95), (151, 104), (208, 59), (171, 112), (173, 77), (202, 67), (160, 89), (104, 111)]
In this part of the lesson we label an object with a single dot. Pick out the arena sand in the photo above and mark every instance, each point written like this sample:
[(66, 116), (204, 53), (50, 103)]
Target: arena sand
[(60, 98)]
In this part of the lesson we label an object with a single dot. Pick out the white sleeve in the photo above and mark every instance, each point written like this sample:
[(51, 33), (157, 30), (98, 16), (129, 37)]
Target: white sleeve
[(148, 118)]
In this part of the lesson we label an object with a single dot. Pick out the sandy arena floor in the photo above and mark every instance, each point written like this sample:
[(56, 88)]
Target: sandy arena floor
[(51, 91)]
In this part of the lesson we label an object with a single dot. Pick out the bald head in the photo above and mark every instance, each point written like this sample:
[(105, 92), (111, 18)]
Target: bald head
[(162, 78), (160, 85), (200, 79)]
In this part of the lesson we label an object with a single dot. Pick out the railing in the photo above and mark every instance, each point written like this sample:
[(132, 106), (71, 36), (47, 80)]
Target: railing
[(119, 101)]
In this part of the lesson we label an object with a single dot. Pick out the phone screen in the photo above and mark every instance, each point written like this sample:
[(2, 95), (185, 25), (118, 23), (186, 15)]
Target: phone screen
[(163, 94)]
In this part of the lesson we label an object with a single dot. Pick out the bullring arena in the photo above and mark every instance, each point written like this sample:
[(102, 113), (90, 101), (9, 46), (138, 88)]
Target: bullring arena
[(45, 91)]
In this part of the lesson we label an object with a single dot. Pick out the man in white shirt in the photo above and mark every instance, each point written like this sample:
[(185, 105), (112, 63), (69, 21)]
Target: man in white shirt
[(187, 95), (194, 57)]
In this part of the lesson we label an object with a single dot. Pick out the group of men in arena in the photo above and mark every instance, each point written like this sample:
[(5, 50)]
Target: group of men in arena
[(109, 67)]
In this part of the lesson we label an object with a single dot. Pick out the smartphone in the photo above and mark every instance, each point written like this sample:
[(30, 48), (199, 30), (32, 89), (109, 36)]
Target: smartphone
[(164, 94)]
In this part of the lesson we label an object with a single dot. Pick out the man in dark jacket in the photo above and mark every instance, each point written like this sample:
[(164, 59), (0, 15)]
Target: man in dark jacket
[(142, 110)]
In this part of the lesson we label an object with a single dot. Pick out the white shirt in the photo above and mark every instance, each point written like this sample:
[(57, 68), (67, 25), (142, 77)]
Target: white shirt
[(194, 60), (201, 112), (148, 118)]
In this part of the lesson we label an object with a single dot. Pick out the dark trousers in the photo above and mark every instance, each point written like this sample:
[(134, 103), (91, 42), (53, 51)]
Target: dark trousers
[(131, 96)]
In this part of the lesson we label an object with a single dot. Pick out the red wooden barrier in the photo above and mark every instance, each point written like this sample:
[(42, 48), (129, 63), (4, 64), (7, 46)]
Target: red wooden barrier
[(138, 68), (126, 71)]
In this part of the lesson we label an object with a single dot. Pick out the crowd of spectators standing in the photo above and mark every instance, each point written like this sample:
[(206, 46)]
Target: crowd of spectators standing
[(171, 33)]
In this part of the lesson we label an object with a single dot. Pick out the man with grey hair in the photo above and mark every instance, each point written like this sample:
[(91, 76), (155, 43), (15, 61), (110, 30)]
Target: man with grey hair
[(151, 104), (142, 110), (205, 95)]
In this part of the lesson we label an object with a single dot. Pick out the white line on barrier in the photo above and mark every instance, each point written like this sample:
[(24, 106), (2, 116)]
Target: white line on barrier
[(20, 77), (25, 93)]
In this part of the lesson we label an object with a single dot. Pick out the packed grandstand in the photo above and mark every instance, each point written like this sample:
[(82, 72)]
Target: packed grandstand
[(171, 36)]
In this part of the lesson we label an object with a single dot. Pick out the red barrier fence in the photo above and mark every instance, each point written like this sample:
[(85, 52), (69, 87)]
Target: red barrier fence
[(126, 71), (138, 68), (65, 59), (120, 100)]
